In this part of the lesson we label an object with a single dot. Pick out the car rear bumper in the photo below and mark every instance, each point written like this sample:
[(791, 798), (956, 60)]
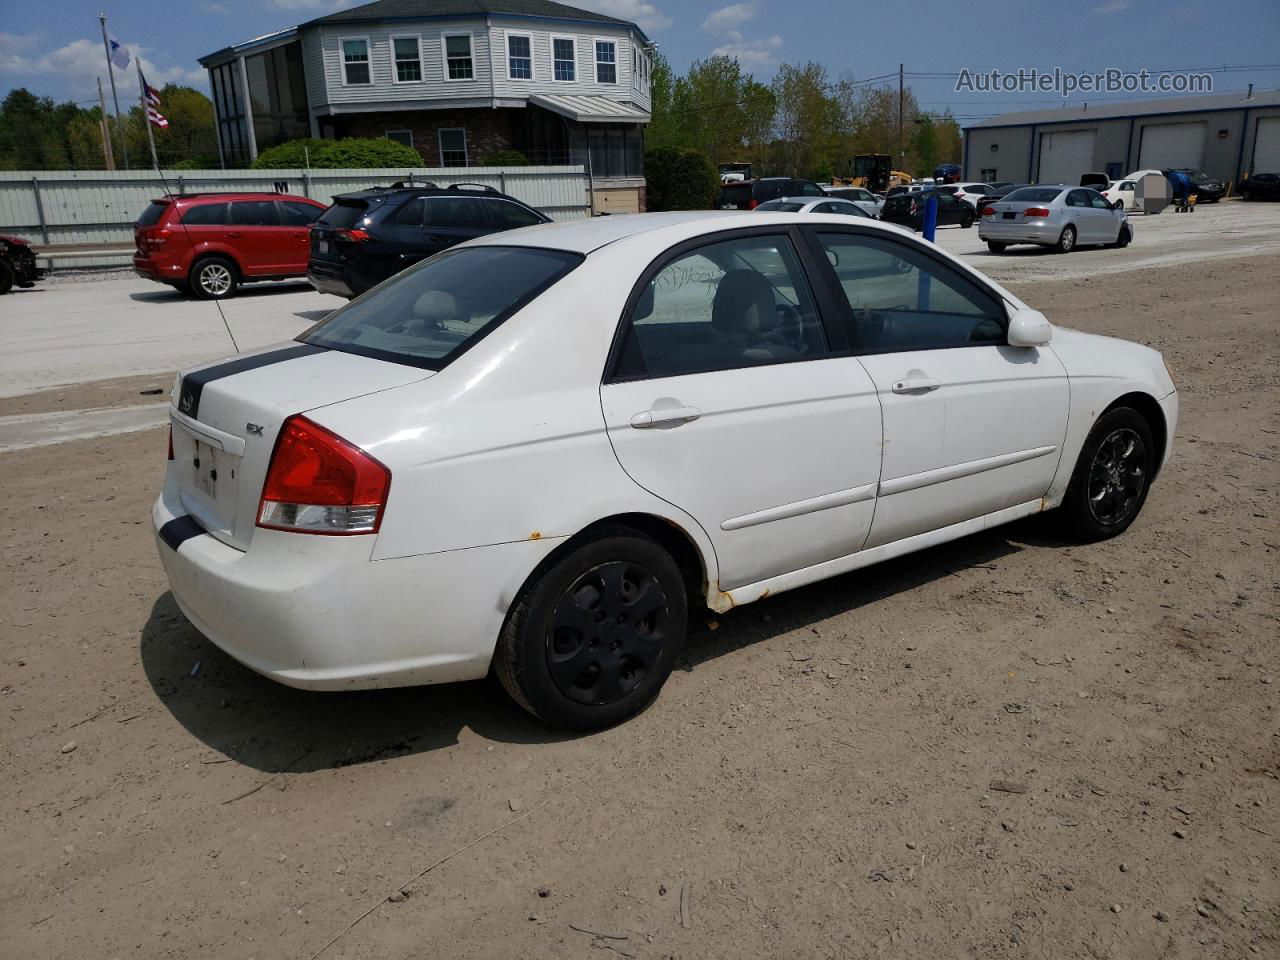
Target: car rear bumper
[(1005, 232), (164, 271), (334, 278), (317, 613)]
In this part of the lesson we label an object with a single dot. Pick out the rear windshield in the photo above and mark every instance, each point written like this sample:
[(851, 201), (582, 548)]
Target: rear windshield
[(153, 213), (343, 214), (431, 313), (1033, 195), (786, 206)]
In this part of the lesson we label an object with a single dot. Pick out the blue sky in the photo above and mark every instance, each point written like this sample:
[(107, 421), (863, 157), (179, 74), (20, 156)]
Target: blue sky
[(61, 56)]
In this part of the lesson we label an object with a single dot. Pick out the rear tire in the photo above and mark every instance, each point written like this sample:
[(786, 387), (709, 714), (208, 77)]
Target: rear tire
[(995, 246), (214, 278), (593, 637), (7, 277), (1112, 477), (966, 221), (1067, 242)]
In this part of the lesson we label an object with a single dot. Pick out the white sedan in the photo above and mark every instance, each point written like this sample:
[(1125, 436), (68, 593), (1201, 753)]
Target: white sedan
[(871, 203), (1123, 190), (541, 450), (844, 208)]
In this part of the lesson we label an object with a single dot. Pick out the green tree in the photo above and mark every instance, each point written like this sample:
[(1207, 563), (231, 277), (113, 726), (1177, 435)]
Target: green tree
[(678, 179), (33, 132), (807, 123), (190, 137), (349, 153)]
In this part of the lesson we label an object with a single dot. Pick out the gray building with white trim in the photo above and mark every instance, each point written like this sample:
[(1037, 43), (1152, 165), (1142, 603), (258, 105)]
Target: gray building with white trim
[(1226, 135)]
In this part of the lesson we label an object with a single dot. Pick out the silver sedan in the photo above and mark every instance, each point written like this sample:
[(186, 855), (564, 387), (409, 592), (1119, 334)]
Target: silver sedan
[(1054, 216)]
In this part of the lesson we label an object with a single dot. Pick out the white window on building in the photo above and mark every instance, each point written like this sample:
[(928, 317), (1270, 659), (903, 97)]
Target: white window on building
[(457, 57), (606, 61), (453, 147), (519, 56), (564, 65), (408, 59), (400, 136), (355, 60)]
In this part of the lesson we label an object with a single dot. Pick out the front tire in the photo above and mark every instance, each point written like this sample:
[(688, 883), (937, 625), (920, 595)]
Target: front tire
[(1067, 242), (995, 246), (214, 278), (1112, 477), (7, 277), (591, 640), (1123, 237)]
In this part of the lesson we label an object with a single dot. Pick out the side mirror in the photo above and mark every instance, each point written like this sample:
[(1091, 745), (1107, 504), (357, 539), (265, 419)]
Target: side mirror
[(1029, 328)]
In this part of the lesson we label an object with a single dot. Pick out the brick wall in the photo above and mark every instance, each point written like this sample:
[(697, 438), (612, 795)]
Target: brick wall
[(488, 131)]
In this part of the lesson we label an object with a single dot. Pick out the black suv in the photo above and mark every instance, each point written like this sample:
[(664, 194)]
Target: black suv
[(749, 194), (368, 236)]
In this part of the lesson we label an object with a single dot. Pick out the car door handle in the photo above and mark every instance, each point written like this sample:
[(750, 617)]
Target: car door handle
[(916, 385), (666, 416)]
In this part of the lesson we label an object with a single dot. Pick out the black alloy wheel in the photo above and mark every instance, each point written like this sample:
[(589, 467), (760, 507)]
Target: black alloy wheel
[(1117, 477)]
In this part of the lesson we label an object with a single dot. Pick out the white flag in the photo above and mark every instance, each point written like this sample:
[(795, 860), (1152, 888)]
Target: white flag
[(119, 52)]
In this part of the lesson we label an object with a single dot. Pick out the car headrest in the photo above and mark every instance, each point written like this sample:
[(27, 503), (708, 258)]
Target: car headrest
[(436, 307), (743, 303)]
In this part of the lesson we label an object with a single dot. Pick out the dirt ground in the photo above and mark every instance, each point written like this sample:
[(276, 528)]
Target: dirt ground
[(1004, 747)]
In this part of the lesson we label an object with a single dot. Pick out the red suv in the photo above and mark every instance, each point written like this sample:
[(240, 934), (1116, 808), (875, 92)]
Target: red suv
[(210, 243)]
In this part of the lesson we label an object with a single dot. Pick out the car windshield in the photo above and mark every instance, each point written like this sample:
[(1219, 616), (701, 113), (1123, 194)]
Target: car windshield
[(431, 313), (786, 206), (1033, 195)]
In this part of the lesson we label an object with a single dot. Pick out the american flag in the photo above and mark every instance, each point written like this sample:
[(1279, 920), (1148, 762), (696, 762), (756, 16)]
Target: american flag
[(153, 106)]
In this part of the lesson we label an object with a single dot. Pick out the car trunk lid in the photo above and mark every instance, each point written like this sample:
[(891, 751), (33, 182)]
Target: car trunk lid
[(226, 417), (332, 234)]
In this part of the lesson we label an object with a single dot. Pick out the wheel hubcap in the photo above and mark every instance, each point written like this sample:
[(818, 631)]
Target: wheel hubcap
[(215, 278), (1117, 477), (607, 632), (1068, 240)]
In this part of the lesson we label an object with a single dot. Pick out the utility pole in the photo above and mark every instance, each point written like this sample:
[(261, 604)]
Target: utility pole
[(106, 48), (901, 100), (107, 156)]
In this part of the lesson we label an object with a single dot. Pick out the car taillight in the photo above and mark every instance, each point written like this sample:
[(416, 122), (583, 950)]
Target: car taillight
[(988, 211), (171, 441), (753, 204), (319, 483), (355, 236), (1035, 212)]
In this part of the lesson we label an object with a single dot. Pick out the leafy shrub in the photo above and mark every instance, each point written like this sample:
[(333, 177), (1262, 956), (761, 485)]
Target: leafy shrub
[(505, 158), (679, 179), (351, 152)]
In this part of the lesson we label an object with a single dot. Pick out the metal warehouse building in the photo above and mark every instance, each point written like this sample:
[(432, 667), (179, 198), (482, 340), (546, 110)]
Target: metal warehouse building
[(1226, 135)]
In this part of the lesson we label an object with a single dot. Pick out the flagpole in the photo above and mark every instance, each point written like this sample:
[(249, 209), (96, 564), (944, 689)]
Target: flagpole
[(105, 127), (106, 48), (146, 112)]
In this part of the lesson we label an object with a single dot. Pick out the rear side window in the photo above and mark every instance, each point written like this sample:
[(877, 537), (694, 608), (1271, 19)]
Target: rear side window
[(508, 216), (205, 215), (411, 212), (343, 214), (805, 188), (736, 195), (254, 213), (463, 213), (298, 214), (1033, 195), (431, 313), (153, 213)]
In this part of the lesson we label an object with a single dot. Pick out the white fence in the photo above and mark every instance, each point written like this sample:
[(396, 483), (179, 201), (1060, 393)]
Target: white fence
[(95, 206)]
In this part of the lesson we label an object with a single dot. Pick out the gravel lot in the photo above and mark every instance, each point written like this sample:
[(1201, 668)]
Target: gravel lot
[(1003, 747)]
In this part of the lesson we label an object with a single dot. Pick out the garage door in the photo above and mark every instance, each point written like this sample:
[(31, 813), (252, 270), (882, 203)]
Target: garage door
[(1064, 156), (1266, 146), (1166, 145)]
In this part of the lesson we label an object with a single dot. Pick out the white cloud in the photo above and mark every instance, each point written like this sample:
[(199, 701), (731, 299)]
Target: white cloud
[(213, 8), (726, 21), (1114, 6), (751, 53), (640, 12), (78, 64)]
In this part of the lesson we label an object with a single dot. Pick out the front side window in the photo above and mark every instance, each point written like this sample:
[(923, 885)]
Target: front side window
[(355, 62), (453, 147), (433, 312), (606, 61), (900, 299), (1098, 202), (506, 215), (562, 59), (736, 303), (408, 59), (457, 57), (254, 213), (1077, 198), (519, 57)]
